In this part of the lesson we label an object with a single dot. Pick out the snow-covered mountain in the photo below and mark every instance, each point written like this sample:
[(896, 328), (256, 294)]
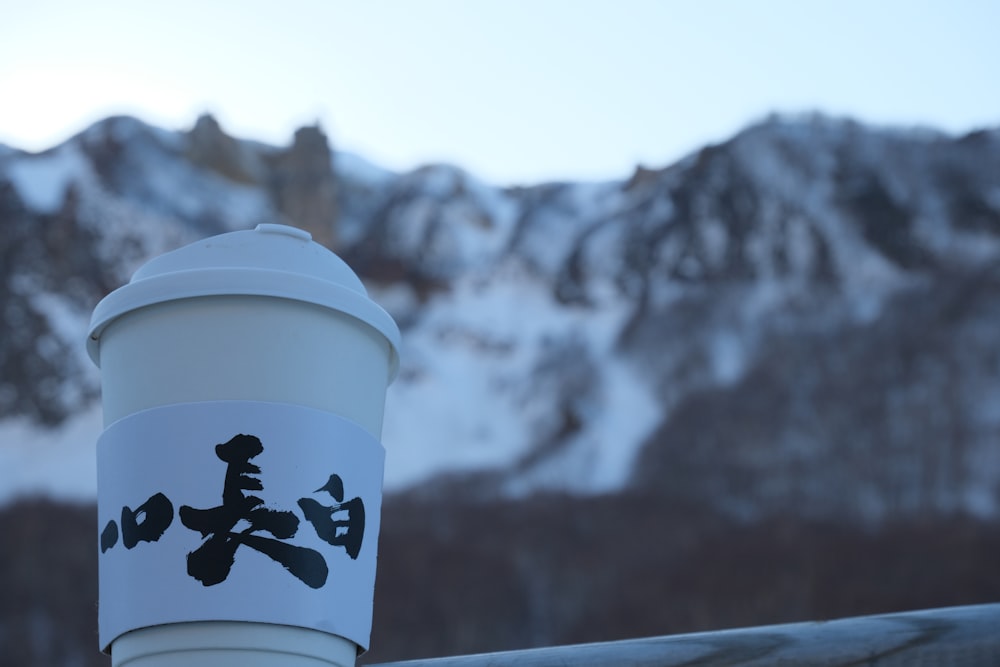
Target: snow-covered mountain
[(802, 317)]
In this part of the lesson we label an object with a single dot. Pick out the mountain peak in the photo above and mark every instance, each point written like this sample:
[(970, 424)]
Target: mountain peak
[(210, 147)]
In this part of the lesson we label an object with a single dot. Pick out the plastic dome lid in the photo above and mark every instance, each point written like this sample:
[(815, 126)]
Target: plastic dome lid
[(271, 260)]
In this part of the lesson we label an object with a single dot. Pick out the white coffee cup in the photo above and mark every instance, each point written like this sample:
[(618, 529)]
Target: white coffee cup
[(267, 316)]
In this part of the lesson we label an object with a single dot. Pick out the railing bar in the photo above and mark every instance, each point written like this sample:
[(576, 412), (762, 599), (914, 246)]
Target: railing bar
[(956, 637)]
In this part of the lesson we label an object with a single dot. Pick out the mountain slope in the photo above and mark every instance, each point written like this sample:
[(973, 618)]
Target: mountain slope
[(797, 317)]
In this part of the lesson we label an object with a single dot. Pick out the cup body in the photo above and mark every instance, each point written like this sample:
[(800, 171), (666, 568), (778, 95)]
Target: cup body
[(226, 644), (244, 348), (241, 347)]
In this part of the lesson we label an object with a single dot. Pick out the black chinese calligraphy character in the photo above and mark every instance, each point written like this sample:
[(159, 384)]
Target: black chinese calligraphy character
[(343, 532), (146, 523), (212, 561), (157, 514), (109, 536)]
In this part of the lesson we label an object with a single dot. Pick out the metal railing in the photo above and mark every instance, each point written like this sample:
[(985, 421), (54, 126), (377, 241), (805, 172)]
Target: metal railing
[(955, 636)]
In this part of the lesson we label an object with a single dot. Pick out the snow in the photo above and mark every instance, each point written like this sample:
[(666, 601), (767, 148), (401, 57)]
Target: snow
[(42, 180), (129, 130), (409, 235), (60, 462), (601, 458), (69, 323), (545, 243), (196, 194), (801, 168), (469, 344), (472, 394), (65, 318), (555, 215), (353, 167), (728, 358), (992, 198)]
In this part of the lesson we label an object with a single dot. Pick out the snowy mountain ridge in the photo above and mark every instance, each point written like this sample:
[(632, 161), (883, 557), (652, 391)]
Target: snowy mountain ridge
[(739, 327)]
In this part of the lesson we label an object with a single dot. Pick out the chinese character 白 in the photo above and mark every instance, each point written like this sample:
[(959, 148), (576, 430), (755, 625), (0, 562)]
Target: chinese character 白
[(348, 529)]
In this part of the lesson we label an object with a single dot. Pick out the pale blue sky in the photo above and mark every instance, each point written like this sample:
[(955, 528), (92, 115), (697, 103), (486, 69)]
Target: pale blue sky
[(513, 90)]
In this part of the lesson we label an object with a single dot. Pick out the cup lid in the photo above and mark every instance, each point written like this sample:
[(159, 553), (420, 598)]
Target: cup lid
[(270, 260)]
